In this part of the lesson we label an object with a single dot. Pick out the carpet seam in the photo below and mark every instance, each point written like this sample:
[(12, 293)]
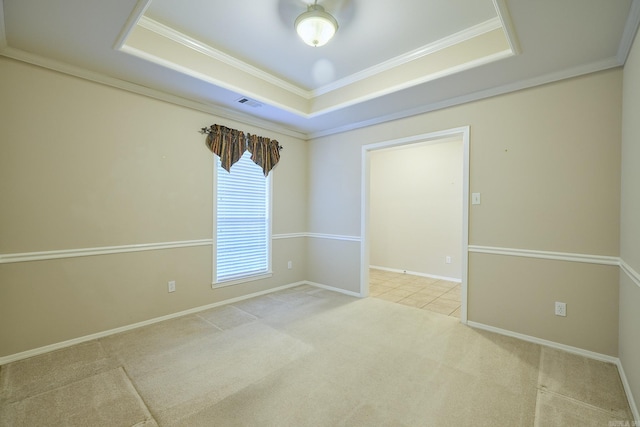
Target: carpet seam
[(144, 402)]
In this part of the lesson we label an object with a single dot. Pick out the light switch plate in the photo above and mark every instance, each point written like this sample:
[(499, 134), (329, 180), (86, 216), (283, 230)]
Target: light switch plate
[(475, 198)]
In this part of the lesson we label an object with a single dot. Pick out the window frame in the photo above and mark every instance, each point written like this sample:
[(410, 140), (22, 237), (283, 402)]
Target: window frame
[(249, 277)]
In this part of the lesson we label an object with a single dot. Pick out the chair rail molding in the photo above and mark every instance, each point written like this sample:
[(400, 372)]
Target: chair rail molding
[(104, 250), (559, 256)]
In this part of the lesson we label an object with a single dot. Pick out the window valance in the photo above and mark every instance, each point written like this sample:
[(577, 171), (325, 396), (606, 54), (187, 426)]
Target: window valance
[(230, 144)]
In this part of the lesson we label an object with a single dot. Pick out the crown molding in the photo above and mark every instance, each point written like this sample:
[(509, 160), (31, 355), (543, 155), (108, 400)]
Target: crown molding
[(92, 76), (417, 81), (205, 49), (194, 44), (476, 96), (428, 49), (138, 12), (507, 25), (629, 33)]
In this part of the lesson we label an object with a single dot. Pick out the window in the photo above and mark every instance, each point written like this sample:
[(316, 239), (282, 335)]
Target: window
[(242, 223)]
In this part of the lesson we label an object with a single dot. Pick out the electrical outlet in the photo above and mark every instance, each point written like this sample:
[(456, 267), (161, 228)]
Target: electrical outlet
[(171, 286), (561, 309)]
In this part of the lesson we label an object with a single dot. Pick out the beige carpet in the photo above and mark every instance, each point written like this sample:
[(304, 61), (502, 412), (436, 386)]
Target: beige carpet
[(310, 357)]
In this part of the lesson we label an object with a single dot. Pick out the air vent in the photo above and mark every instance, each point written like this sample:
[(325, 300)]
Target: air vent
[(249, 102)]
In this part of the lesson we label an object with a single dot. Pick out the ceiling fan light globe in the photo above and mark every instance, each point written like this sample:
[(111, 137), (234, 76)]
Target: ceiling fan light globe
[(315, 26)]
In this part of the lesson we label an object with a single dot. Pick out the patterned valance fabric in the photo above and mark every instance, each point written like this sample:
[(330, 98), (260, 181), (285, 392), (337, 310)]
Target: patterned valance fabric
[(265, 152), (230, 144)]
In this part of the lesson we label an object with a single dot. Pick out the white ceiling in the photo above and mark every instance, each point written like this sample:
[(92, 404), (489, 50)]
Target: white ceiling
[(387, 60)]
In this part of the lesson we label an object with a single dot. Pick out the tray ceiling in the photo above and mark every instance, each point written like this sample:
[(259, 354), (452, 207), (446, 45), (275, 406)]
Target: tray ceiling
[(387, 60)]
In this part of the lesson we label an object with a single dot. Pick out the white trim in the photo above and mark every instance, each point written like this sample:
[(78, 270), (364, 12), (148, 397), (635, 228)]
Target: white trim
[(628, 392), (629, 33), (108, 250), (414, 82), (135, 17), (3, 33), (334, 237), (331, 288), (629, 271), (198, 46), (208, 78), (230, 114), (570, 349), (560, 256), (224, 113), (214, 222), (464, 287), (288, 236), (416, 273), (507, 25), (476, 96), (104, 250), (428, 49), (217, 55), (57, 346), (433, 137)]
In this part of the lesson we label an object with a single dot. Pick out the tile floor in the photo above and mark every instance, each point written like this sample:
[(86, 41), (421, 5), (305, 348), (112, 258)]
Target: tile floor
[(441, 296)]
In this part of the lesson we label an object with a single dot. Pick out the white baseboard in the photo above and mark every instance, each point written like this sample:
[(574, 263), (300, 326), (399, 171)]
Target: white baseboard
[(575, 350), (415, 273), (570, 349), (629, 393), (57, 346), (331, 288)]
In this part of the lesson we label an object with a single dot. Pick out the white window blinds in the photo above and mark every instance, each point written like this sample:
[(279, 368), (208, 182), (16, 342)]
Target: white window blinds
[(242, 221)]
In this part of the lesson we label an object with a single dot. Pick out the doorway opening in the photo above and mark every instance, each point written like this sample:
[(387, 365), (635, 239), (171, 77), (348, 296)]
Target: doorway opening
[(417, 231)]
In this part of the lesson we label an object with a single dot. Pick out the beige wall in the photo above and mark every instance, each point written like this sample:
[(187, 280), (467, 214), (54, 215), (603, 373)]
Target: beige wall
[(415, 208), (547, 162), (630, 223), (85, 165)]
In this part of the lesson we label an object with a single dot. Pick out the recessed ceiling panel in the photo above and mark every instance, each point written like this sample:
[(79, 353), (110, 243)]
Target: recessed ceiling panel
[(261, 33), (460, 48)]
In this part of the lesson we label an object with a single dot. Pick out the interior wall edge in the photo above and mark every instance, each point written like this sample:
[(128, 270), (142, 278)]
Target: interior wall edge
[(334, 289), (629, 271), (627, 389)]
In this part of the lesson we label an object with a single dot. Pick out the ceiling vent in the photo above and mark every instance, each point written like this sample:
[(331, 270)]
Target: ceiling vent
[(249, 102)]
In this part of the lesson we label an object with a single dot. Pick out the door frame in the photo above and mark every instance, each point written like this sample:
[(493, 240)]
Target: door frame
[(462, 132)]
